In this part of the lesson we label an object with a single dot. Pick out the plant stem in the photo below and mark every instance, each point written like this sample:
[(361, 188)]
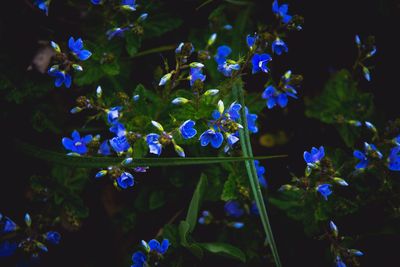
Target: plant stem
[(252, 172)]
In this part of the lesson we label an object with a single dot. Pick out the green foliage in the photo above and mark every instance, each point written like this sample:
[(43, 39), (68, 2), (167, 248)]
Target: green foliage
[(224, 249), (230, 188), (339, 102)]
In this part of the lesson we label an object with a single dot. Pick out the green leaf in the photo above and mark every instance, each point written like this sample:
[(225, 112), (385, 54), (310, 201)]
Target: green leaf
[(183, 235), (193, 211), (160, 24), (341, 101), (230, 189), (91, 74), (157, 200), (102, 162), (224, 249), (111, 69), (133, 43), (245, 144)]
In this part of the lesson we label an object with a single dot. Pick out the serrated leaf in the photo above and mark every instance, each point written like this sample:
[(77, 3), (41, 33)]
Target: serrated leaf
[(340, 101)]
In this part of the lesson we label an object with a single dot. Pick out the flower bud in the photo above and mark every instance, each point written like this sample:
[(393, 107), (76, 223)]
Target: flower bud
[(211, 92), (157, 125), (180, 100)]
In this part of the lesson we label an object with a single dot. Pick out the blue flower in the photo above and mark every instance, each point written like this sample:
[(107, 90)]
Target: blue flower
[(128, 4), (118, 129), (196, 74), (324, 190), (43, 5), (125, 180), (363, 159), (186, 129), (154, 245), (116, 32), (7, 248), (251, 40), (77, 144), (7, 226), (120, 144), (222, 53), (339, 262), (61, 77), (53, 237), (210, 136), (314, 157), (274, 97), (233, 209), (279, 46), (254, 209), (139, 259), (394, 159), (228, 67), (104, 149), (113, 114), (237, 225), (77, 49), (251, 121), (234, 111), (96, 2), (281, 11), (260, 173), (369, 150), (153, 142), (259, 62)]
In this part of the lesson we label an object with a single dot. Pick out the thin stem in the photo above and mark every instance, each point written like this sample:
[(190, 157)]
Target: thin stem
[(252, 173)]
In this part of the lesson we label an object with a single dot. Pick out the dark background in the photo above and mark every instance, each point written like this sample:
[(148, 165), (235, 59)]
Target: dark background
[(326, 44)]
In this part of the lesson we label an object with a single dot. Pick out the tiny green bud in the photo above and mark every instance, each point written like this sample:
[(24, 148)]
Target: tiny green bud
[(157, 125)]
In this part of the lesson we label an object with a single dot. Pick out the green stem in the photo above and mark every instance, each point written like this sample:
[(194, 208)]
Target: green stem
[(252, 173)]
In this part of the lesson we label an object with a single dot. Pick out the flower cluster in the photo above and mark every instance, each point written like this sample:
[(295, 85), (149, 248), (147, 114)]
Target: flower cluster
[(224, 123), (154, 252), (225, 66), (27, 240), (279, 96), (341, 252), (365, 51), (370, 152), (319, 175), (64, 64)]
